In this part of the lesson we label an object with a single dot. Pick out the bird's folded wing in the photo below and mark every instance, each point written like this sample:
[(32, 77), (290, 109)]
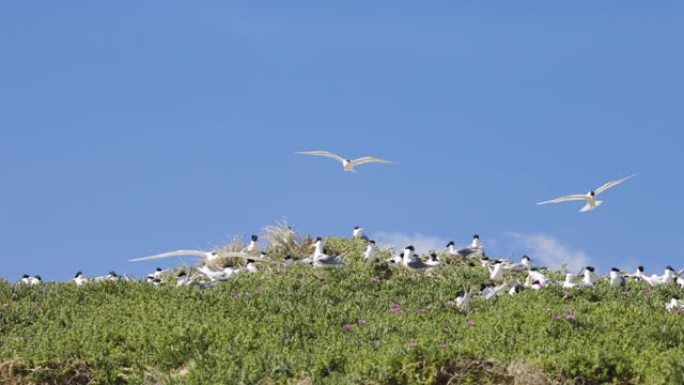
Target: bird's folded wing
[(170, 254), (611, 184), (322, 153), (567, 198), (369, 159)]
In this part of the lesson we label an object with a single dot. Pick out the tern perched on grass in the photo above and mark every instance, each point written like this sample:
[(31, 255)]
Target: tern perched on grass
[(412, 262), (253, 247), (589, 197), (433, 261), (79, 279), (589, 278), (349, 165), (616, 278), (524, 265), (371, 253), (675, 304), (358, 233), (496, 271), (463, 299), (569, 282)]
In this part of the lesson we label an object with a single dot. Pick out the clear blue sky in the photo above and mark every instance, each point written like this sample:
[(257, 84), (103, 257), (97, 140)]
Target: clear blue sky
[(133, 127)]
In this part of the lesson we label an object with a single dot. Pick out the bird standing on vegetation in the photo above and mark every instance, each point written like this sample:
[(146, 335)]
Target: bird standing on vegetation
[(569, 282), (371, 253), (476, 244), (79, 279), (251, 266), (675, 304), (589, 197), (463, 299), (253, 246), (496, 271), (451, 248), (411, 260), (589, 278), (349, 165), (616, 279), (433, 261), (358, 233), (524, 265), (182, 279)]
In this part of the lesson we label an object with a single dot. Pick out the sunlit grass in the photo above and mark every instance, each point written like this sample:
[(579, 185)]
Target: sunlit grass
[(349, 325)]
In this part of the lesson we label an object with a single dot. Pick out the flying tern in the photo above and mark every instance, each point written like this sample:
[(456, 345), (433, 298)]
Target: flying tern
[(589, 197), (349, 165)]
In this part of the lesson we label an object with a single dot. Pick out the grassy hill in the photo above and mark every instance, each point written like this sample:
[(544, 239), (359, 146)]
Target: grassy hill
[(352, 325)]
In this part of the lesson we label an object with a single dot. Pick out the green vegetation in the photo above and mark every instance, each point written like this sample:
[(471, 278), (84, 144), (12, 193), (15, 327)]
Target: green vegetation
[(352, 325)]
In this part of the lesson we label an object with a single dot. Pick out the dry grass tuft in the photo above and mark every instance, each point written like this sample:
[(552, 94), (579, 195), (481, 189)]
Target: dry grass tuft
[(478, 371), (74, 372)]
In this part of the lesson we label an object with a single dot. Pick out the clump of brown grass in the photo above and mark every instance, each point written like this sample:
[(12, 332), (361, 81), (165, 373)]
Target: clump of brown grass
[(73, 372), (480, 371), (284, 240)]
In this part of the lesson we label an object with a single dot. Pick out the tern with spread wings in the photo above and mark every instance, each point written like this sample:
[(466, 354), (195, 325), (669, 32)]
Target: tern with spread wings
[(348, 164), (589, 197)]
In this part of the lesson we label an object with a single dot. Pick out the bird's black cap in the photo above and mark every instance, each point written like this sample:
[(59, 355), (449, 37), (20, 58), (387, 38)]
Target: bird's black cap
[(255, 238)]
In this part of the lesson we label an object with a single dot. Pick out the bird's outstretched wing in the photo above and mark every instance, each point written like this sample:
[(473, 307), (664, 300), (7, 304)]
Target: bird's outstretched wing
[(369, 159), (323, 153), (611, 184), (171, 254), (567, 198)]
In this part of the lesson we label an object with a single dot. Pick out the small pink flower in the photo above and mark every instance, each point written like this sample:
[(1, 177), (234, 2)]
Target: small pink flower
[(396, 308), (470, 322), (570, 316), (421, 311), (450, 303), (624, 293), (680, 310), (558, 318), (444, 345), (348, 327), (360, 322)]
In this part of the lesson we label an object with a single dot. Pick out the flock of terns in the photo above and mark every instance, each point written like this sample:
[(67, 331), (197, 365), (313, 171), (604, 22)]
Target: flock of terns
[(505, 277), (503, 274)]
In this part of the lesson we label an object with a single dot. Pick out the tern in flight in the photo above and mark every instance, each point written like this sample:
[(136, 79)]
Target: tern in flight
[(349, 165), (590, 197), (208, 256)]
